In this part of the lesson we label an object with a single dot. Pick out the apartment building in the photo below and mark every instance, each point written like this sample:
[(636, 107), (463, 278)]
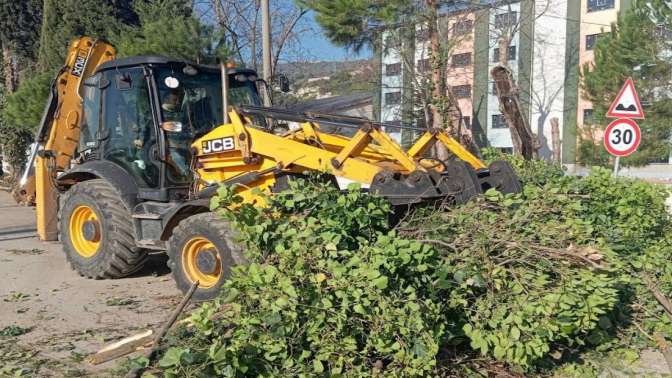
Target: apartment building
[(402, 85), (549, 41)]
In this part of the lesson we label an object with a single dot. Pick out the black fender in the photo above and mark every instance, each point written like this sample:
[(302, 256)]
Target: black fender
[(181, 212), (121, 180)]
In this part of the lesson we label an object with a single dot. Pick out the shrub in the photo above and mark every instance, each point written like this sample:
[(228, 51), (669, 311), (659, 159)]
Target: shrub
[(524, 273), (564, 269), (329, 291), (533, 172), (21, 116), (629, 214)]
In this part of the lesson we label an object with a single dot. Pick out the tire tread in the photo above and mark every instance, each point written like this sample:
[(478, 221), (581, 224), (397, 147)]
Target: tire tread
[(121, 257)]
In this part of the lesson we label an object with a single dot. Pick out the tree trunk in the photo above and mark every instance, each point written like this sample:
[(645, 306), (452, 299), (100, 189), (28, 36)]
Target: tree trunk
[(555, 140), (525, 143), (10, 78), (504, 44), (438, 82), (9, 69)]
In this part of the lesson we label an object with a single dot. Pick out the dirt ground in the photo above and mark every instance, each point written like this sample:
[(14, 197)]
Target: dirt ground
[(51, 319)]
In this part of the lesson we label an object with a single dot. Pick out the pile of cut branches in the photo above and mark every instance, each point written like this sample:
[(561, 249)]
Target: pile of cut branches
[(523, 284)]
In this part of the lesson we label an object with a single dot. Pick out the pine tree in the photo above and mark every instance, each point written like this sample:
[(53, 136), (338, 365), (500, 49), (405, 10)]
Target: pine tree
[(22, 32), (168, 28), (632, 49), (64, 20), (357, 23), (18, 37)]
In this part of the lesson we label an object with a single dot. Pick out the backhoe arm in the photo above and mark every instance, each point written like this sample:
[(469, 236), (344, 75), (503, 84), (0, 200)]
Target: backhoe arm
[(57, 138)]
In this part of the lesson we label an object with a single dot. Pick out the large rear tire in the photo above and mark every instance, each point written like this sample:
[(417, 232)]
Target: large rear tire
[(203, 248), (97, 232)]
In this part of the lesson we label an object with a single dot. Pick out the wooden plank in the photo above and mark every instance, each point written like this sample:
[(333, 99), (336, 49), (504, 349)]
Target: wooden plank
[(123, 347)]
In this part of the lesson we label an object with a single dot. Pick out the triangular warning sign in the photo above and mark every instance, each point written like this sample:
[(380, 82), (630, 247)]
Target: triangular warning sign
[(626, 104)]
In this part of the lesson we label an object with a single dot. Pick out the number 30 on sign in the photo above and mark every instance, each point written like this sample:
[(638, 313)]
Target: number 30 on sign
[(622, 137)]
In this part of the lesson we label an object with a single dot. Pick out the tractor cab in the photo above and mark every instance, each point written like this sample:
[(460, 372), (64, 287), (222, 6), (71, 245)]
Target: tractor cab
[(142, 114)]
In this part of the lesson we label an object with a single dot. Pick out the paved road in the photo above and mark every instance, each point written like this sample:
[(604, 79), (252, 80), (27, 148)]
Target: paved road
[(69, 316)]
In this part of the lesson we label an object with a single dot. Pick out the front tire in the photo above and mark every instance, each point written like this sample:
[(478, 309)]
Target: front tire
[(203, 248), (97, 232)]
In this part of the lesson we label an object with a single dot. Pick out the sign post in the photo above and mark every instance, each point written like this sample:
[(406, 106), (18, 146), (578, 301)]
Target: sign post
[(622, 136)]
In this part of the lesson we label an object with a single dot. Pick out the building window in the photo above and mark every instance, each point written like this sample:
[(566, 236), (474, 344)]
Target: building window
[(508, 19), (495, 54), (462, 91), (424, 65), (467, 122), (393, 69), (463, 27), (461, 60), (588, 117), (498, 121), (591, 40), (598, 5), (392, 98), (422, 35)]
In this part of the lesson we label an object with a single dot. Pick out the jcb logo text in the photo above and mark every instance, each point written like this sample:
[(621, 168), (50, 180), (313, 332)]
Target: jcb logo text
[(218, 145), (78, 68)]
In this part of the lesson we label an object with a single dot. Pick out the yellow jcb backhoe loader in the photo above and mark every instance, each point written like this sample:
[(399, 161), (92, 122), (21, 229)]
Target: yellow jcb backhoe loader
[(131, 150)]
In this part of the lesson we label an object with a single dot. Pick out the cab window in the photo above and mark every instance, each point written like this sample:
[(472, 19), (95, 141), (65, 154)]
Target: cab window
[(91, 119), (130, 135)]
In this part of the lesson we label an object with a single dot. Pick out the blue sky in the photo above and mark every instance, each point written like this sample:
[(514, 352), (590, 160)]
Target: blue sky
[(315, 42), (323, 49)]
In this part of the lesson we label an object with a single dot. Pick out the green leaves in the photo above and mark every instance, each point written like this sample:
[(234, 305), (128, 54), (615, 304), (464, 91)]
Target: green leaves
[(330, 290), (190, 38), (172, 357)]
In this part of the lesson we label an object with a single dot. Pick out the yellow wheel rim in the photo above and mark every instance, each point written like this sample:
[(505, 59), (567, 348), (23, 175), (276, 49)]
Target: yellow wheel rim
[(85, 232), (200, 248)]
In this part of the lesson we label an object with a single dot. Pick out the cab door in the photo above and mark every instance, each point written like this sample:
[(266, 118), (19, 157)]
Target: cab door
[(129, 131)]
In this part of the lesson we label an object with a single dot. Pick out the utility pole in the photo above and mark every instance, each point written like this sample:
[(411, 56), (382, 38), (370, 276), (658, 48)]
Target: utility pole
[(266, 40)]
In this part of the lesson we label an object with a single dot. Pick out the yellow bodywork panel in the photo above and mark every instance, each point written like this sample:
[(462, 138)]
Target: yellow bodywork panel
[(84, 56), (429, 138), (238, 148)]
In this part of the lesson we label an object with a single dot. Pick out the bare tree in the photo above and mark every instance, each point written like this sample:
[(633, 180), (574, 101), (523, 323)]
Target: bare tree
[(426, 61), (507, 24), (240, 20)]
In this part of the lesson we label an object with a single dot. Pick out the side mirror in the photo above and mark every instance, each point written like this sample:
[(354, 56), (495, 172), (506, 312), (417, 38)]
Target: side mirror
[(171, 127), (283, 83)]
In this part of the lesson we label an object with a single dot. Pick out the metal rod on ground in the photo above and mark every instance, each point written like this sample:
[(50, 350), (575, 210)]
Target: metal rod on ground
[(136, 372), (617, 164), (225, 92), (266, 44)]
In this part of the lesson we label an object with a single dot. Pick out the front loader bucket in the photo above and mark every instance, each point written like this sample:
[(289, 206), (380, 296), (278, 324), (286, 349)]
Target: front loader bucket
[(458, 183), (501, 176)]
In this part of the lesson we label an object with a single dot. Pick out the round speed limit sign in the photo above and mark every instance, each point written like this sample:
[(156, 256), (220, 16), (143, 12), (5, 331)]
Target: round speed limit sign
[(622, 137)]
